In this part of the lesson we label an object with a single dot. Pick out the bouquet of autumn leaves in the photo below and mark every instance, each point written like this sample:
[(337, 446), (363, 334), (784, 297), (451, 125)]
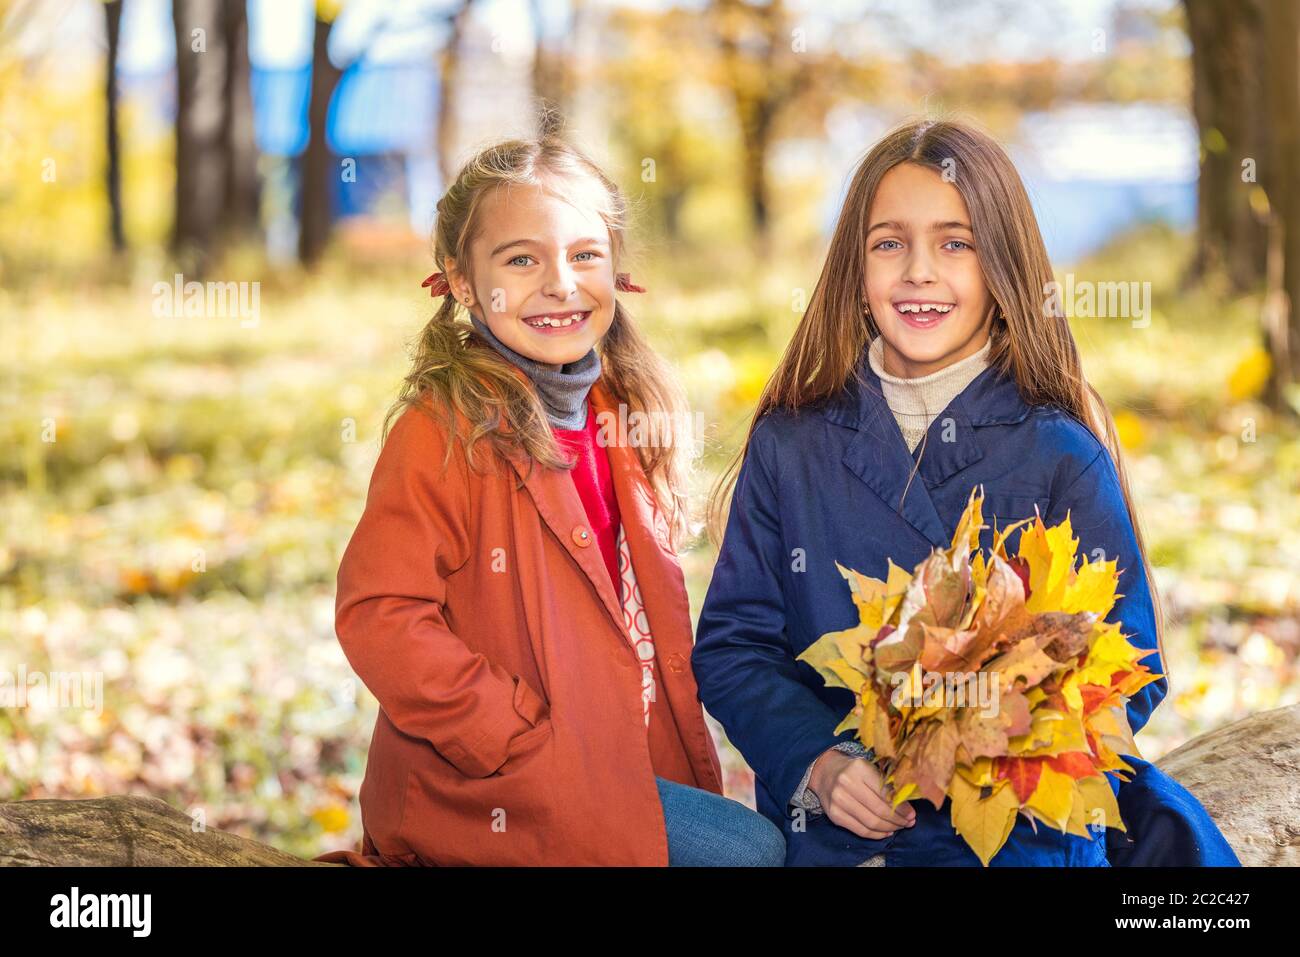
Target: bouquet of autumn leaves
[(994, 681)]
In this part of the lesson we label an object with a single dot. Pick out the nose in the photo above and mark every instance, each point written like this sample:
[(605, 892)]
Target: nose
[(559, 282), (919, 267)]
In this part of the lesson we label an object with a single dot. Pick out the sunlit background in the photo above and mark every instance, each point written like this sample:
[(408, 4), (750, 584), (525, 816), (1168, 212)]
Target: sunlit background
[(178, 488)]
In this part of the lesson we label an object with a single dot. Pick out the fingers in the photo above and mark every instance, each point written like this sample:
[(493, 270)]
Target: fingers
[(857, 804), (849, 822), (865, 786), (850, 813)]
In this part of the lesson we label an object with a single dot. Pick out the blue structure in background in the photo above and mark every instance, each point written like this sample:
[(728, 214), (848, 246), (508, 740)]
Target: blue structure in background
[(1092, 171), (1077, 216), (382, 116)]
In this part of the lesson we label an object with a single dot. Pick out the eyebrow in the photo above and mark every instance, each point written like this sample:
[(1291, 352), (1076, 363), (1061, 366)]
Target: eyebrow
[(934, 227), (585, 241)]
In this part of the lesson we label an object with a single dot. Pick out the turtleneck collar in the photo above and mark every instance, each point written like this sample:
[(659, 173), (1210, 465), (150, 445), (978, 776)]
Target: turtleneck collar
[(928, 394), (915, 403), (563, 389)]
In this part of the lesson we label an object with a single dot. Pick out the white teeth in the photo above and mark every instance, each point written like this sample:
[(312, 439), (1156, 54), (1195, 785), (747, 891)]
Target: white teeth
[(544, 321), (915, 307)]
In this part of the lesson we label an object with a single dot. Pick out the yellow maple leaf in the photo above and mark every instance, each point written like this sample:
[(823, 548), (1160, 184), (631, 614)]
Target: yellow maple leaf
[(979, 773), (1053, 797), (1049, 552), (853, 678), (1092, 589), (1076, 823), (821, 654), (1056, 734), (984, 823), (1099, 799), (966, 538)]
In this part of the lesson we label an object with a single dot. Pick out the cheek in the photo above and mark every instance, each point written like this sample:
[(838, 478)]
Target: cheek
[(879, 277), (968, 283)]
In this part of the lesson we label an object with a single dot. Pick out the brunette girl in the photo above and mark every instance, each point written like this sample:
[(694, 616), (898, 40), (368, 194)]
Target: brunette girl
[(932, 359)]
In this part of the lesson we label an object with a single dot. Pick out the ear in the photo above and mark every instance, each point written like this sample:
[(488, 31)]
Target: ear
[(460, 286)]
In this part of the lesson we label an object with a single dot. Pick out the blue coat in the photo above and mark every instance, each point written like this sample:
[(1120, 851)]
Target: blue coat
[(824, 485)]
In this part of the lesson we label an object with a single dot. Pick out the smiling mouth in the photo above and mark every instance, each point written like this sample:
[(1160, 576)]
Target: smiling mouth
[(559, 320), (923, 313)]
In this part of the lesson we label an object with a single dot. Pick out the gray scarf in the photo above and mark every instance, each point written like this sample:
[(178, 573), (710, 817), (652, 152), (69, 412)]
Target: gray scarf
[(563, 391)]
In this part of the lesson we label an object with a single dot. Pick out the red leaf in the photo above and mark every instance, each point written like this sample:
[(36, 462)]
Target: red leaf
[(1023, 773), (1093, 696), (1074, 763), (1021, 568)]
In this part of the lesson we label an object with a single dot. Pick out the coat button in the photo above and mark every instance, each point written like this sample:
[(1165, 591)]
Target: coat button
[(581, 536)]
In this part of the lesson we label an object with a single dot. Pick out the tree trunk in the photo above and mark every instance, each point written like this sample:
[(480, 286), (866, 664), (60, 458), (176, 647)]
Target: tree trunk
[(1246, 775), (1281, 182), (552, 78), (113, 184), (1228, 104), (240, 212), (448, 72), (318, 173), (763, 76), (200, 131), (122, 832)]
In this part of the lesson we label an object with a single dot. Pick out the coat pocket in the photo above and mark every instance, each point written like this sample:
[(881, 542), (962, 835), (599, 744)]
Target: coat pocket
[(521, 745)]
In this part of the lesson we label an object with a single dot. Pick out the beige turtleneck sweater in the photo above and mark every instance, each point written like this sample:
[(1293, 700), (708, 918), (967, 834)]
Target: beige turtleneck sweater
[(916, 402)]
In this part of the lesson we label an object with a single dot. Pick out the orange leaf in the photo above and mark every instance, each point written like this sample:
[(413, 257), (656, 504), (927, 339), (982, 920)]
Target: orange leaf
[(1023, 773), (1074, 763)]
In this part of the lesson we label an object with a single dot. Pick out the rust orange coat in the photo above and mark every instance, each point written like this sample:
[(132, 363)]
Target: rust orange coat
[(510, 729)]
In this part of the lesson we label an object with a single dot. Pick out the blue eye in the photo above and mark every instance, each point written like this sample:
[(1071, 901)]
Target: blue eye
[(589, 253), (511, 262), (883, 241), (959, 242)]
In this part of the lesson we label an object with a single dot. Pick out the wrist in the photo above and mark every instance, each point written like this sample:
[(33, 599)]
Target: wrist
[(826, 763)]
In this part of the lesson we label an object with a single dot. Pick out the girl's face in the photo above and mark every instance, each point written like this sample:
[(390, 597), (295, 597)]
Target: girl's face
[(543, 274), (924, 283)]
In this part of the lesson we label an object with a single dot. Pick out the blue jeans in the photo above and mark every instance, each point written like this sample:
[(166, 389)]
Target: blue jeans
[(709, 830)]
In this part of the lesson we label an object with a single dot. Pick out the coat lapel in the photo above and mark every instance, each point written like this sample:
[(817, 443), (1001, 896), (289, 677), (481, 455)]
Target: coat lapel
[(878, 454), (558, 503), (663, 593)]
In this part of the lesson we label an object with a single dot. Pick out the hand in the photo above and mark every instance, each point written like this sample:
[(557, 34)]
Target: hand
[(853, 795)]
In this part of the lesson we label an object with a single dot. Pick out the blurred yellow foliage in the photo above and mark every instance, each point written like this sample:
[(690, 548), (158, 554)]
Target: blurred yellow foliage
[(1250, 375)]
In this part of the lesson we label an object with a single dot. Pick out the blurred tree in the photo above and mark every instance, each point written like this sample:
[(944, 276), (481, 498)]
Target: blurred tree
[(113, 172), (552, 76), (764, 70), (1228, 96), (654, 90), (448, 71), (240, 214), (216, 155), (1246, 100), (316, 219), (1281, 181)]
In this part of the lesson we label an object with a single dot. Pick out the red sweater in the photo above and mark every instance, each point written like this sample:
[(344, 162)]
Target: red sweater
[(595, 487)]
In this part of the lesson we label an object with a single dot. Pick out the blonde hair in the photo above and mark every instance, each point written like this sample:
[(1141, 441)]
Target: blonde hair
[(1031, 343), (454, 365)]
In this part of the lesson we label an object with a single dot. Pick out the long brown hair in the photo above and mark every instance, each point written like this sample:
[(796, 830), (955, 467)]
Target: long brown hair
[(1030, 337), (496, 401)]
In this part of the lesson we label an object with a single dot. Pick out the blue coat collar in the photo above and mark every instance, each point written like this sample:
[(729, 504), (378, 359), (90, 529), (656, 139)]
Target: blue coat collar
[(878, 454)]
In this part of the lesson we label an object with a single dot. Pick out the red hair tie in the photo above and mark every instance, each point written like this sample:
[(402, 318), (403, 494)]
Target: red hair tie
[(438, 285), (624, 282)]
